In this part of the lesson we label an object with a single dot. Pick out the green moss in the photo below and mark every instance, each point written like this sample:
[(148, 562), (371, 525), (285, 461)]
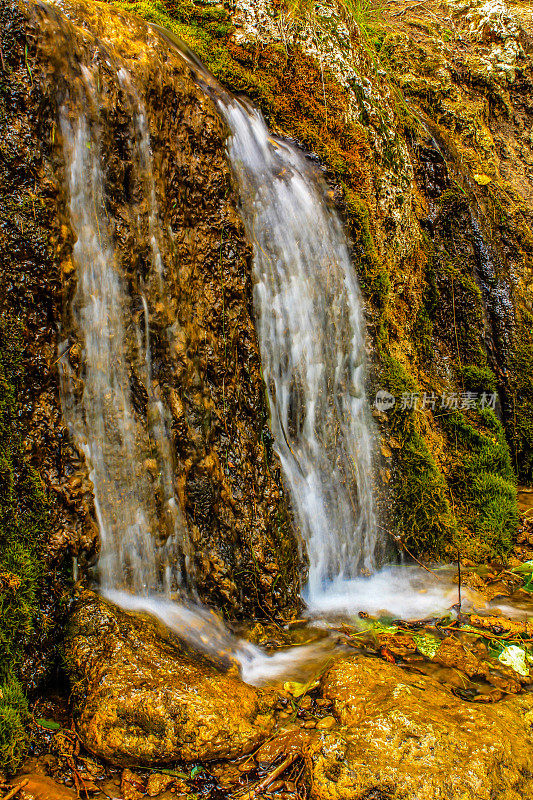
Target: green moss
[(13, 719), (483, 481), (373, 274), (422, 511), (520, 419), (477, 379), (422, 516), (23, 520), (461, 321), (423, 325)]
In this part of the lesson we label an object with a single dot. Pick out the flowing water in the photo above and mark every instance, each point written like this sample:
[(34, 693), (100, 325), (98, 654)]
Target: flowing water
[(309, 317), (142, 532), (310, 327)]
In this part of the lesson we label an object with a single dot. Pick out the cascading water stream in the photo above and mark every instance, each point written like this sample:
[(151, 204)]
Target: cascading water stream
[(312, 340), (136, 570), (311, 333), (310, 326), (133, 514)]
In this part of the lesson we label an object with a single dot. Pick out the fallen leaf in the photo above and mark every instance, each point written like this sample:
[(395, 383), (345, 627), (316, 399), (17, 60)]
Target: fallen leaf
[(50, 724), (298, 689), (426, 644), (514, 657), (387, 655), (290, 743)]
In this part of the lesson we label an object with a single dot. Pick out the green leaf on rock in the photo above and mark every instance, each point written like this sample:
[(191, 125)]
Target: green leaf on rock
[(50, 724), (426, 644), (175, 773), (526, 567)]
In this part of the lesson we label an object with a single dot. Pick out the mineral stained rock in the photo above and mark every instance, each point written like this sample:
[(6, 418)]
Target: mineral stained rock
[(402, 735), (145, 700)]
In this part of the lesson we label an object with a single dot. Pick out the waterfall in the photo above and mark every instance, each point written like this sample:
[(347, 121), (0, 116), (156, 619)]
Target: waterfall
[(143, 535), (309, 313), (310, 326), (311, 332)]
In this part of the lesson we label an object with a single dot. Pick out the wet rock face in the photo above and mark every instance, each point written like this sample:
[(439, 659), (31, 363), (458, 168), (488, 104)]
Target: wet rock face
[(205, 358), (46, 509), (146, 700), (401, 737), (30, 281)]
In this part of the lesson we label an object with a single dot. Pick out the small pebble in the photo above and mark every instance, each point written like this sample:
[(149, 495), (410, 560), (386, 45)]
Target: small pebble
[(321, 702), (305, 702), (310, 723), (326, 723)]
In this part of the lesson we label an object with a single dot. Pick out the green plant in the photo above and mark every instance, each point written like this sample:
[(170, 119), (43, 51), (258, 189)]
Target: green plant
[(365, 14), (372, 272), (422, 515), (23, 521), (482, 480), (13, 718), (480, 380)]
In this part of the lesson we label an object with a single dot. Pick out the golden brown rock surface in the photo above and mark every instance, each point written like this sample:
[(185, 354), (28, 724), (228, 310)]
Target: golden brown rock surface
[(146, 700), (401, 735)]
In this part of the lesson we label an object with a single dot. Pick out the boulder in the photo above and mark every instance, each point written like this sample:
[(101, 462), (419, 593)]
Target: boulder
[(144, 698), (402, 736)]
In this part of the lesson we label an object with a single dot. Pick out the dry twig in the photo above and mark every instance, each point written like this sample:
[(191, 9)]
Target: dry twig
[(270, 778), (16, 789)]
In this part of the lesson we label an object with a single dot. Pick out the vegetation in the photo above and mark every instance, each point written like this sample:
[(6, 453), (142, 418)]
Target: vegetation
[(520, 422), (422, 515), (373, 273), (482, 480), (23, 519), (13, 718)]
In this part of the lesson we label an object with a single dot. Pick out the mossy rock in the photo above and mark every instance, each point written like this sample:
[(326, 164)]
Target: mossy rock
[(14, 716), (24, 519)]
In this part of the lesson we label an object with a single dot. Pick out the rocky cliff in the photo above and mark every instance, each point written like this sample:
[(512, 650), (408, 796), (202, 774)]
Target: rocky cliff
[(420, 116)]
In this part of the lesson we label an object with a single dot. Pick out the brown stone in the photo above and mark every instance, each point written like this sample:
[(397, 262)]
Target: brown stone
[(405, 736), (145, 700), (157, 783)]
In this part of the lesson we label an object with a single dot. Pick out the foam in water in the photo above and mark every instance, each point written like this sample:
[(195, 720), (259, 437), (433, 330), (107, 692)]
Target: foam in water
[(403, 592)]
